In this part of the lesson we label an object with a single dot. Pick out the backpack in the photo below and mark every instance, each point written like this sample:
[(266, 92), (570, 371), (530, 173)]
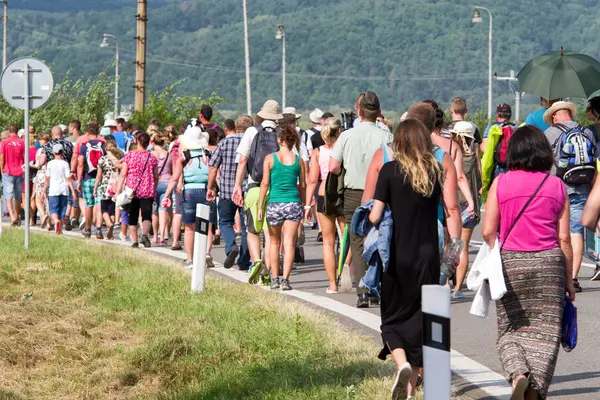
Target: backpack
[(502, 147), (94, 153), (263, 144), (202, 157), (574, 153)]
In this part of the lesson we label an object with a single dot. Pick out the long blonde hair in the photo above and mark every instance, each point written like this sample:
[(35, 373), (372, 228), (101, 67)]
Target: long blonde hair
[(413, 150), (331, 129)]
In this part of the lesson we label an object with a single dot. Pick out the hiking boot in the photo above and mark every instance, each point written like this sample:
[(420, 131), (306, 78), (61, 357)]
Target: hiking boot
[(86, 234), (577, 286), (373, 301), (188, 264), (299, 255), (67, 225), (217, 240), (275, 285), (209, 261), (230, 259), (265, 280), (110, 234), (596, 276), (285, 285), (99, 235), (255, 270), (145, 241), (135, 245), (362, 301)]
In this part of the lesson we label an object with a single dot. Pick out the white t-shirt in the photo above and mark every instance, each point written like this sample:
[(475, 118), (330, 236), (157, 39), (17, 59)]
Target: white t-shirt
[(59, 172)]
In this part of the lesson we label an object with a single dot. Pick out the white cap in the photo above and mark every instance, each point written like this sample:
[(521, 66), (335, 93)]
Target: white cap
[(110, 122), (316, 116)]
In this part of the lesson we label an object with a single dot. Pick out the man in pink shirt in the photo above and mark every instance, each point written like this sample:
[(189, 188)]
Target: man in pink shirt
[(12, 159)]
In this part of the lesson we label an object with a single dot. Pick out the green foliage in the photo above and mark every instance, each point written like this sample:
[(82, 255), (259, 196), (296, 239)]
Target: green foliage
[(171, 108)]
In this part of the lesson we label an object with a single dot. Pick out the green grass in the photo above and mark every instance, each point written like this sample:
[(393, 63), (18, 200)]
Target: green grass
[(81, 320)]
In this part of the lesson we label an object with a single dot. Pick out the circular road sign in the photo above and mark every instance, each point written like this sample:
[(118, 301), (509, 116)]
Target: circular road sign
[(41, 83)]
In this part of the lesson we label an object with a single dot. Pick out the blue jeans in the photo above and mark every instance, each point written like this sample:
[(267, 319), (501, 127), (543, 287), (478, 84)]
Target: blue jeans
[(227, 210), (577, 202)]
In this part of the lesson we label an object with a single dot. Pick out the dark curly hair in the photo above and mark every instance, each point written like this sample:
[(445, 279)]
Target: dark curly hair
[(289, 136)]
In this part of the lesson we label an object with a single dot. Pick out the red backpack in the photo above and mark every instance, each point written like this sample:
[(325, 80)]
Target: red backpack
[(502, 148), (94, 153)]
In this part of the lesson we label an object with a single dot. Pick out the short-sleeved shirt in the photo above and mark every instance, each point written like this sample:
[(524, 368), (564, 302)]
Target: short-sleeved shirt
[(537, 229), (13, 152), (355, 149), (536, 118), (123, 139), (140, 173), (553, 134), (224, 158), (68, 149), (83, 152), (487, 128), (107, 165), (59, 172)]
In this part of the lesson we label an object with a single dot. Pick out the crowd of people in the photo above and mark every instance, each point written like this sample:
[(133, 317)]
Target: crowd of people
[(417, 188)]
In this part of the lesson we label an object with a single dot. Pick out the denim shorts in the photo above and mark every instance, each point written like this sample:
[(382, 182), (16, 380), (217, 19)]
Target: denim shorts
[(191, 198), (12, 186), (58, 205), (577, 202), (71, 200), (161, 189), (177, 200)]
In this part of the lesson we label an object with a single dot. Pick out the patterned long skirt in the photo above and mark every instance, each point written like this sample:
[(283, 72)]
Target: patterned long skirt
[(529, 315)]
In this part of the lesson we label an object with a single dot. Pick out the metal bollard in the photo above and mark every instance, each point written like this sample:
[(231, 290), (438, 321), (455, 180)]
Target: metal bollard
[(200, 246), (436, 342)]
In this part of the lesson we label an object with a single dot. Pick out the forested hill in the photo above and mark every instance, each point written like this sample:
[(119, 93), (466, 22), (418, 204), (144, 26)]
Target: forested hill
[(405, 50)]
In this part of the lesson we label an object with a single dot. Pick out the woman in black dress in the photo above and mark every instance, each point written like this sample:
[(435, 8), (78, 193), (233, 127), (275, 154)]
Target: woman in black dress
[(411, 187)]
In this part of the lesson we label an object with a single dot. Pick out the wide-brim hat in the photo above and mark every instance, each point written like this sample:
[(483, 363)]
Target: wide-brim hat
[(316, 116), (270, 111), (464, 128), (559, 105), (110, 122), (291, 110), (194, 138)]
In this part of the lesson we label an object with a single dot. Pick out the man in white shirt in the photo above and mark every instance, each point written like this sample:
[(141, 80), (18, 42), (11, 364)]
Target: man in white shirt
[(267, 117)]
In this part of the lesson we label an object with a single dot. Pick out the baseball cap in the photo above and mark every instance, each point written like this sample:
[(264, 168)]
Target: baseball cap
[(109, 123), (57, 148), (504, 109), (370, 102)]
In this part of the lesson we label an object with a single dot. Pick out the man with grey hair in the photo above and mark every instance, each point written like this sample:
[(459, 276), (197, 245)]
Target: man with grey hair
[(224, 159)]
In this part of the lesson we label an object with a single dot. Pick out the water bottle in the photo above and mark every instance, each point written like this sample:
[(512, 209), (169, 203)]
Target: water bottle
[(467, 216), (450, 258)]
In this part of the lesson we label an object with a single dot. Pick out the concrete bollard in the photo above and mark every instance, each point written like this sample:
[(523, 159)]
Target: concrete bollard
[(200, 247), (436, 342)]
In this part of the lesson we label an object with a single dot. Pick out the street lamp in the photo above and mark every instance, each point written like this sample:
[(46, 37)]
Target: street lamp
[(280, 35), (106, 45), (477, 19), (5, 23)]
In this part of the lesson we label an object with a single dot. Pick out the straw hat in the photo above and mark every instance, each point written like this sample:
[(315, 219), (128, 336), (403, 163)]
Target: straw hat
[(270, 111), (194, 138), (316, 116), (291, 110), (559, 105)]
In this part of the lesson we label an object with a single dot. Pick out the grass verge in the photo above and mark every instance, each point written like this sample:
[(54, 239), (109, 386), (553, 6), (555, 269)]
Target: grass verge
[(82, 320)]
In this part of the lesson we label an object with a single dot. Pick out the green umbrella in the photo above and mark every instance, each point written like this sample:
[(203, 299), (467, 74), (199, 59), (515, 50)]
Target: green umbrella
[(557, 74)]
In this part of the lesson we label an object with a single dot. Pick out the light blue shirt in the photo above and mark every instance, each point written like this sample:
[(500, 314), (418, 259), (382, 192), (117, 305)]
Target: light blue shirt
[(536, 118)]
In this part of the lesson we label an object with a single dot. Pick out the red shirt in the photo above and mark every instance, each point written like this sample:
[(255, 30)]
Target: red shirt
[(13, 152)]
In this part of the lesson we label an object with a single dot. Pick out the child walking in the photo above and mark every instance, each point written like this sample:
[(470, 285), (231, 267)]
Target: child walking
[(57, 185), (106, 186)]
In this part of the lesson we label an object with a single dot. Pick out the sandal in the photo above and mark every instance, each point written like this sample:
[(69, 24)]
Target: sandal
[(176, 248)]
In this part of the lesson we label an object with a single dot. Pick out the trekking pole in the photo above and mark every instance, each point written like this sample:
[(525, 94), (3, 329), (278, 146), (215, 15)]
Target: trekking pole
[(436, 342), (200, 247)]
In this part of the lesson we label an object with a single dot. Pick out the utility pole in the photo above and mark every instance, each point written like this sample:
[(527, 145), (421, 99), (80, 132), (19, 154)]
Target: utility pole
[(5, 23), (512, 79), (140, 58), (247, 53)]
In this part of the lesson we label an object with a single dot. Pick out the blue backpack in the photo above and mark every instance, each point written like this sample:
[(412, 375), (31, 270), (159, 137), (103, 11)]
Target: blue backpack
[(574, 153)]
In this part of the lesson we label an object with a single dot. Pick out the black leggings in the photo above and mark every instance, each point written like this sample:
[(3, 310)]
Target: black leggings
[(134, 210)]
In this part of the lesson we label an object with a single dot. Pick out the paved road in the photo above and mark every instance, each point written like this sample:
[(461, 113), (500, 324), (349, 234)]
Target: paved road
[(577, 374)]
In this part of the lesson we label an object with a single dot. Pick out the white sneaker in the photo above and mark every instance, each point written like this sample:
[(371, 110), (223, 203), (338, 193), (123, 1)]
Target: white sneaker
[(400, 386), (122, 237), (458, 294)]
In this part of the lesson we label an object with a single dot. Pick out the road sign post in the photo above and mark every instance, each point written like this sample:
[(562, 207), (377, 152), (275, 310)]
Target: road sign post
[(201, 228), (27, 84)]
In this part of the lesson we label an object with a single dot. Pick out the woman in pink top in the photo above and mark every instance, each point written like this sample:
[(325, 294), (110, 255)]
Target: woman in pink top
[(537, 259), (319, 168)]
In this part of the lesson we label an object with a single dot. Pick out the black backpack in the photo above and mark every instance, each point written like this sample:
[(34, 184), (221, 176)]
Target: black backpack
[(263, 144)]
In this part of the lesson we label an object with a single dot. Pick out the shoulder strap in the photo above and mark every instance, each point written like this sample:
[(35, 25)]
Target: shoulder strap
[(164, 164), (523, 209), (142, 174), (562, 127)]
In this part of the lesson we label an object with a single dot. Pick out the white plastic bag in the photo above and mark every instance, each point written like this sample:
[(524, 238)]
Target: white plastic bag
[(475, 277), (495, 273), (125, 197), (481, 301), (487, 277)]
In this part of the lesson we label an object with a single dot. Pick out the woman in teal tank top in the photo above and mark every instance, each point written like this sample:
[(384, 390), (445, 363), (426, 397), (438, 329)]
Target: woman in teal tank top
[(284, 180)]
